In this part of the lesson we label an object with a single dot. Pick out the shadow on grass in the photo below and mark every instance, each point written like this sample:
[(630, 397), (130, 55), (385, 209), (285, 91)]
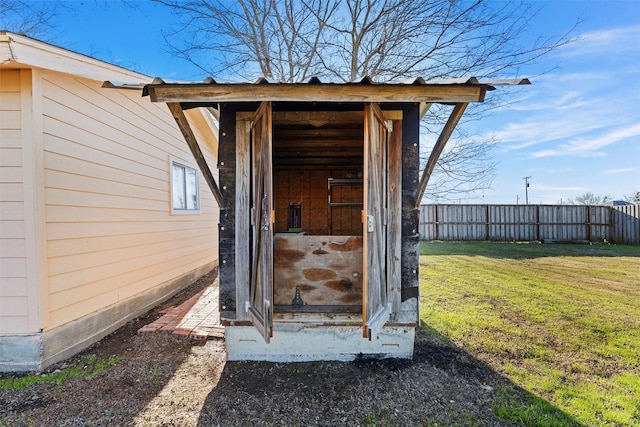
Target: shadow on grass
[(511, 402), (526, 250), (442, 385)]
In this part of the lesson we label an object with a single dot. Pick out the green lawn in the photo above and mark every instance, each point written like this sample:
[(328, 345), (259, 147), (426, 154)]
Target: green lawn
[(561, 322)]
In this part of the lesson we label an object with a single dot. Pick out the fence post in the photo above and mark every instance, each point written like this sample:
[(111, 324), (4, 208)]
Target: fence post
[(486, 219), (538, 223), (589, 223), (612, 227), (436, 222)]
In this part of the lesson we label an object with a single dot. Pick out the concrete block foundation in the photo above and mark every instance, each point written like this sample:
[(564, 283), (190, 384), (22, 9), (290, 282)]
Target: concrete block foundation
[(300, 343)]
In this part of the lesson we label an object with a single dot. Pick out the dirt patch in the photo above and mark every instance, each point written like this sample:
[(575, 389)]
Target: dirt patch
[(171, 380)]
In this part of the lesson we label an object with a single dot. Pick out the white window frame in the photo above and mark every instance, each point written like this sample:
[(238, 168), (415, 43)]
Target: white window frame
[(185, 166)]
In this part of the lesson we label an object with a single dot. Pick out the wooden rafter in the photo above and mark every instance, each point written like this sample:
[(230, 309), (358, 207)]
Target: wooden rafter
[(202, 93), (192, 142), (451, 124)]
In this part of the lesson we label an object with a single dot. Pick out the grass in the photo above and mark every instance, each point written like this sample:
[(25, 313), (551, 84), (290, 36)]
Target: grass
[(87, 367), (561, 322)]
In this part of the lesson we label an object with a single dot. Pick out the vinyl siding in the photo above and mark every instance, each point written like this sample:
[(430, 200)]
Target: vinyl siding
[(14, 312), (109, 229)]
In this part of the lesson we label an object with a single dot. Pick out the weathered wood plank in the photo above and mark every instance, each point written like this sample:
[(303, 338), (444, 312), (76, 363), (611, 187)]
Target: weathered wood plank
[(410, 214), (394, 226), (192, 142), (260, 309), (320, 93), (320, 117), (242, 207), (319, 309), (521, 222), (375, 296)]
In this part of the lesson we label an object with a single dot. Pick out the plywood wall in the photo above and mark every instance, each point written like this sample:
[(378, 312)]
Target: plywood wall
[(310, 187), (14, 292), (109, 229)]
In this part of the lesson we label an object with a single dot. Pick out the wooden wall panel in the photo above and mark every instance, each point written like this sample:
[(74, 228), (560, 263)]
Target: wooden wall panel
[(309, 186)]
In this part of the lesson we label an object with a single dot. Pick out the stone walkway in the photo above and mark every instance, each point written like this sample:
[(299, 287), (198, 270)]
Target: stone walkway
[(198, 317)]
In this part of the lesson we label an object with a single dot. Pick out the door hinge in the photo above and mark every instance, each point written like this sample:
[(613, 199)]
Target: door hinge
[(370, 224)]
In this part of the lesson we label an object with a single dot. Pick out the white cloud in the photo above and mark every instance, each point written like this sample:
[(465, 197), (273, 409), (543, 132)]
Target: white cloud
[(591, 145), (557, 124), (568, 112), (560, 152), (613, 41), (616, 171)]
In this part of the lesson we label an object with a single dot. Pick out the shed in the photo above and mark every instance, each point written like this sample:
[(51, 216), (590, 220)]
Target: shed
[(320, 185), (103, 211)]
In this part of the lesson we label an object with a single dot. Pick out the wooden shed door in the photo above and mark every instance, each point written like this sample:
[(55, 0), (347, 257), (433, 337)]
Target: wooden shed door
[(375, 305), (260, 310)]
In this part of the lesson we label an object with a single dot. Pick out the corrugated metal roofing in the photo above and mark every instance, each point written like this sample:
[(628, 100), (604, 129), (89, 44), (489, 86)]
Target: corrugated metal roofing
[(315, 80)]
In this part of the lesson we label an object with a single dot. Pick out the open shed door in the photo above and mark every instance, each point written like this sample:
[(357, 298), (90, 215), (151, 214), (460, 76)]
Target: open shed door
[(260, 309), (375, 305)]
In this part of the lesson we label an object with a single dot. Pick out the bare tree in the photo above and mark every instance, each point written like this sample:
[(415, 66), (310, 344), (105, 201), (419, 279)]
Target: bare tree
[(591, 199), (292, 40), (33, 19), (633, 198), (466, 166), (251, 38)]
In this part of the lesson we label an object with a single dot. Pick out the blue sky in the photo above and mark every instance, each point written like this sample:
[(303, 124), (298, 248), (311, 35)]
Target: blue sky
[(576, 129)]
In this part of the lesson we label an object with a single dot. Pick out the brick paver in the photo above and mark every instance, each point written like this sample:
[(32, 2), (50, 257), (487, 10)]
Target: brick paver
[(197, 317)]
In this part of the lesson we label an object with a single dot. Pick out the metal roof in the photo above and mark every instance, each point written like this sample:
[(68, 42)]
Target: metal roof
[(468, 89), (262, 81), (180, 96)]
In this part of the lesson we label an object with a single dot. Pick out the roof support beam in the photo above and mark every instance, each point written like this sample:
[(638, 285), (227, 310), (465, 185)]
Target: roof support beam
[(451, 124), (192, 142), (238, 92)]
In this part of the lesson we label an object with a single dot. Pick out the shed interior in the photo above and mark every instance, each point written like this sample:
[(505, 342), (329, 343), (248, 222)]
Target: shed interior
[(318, 199)]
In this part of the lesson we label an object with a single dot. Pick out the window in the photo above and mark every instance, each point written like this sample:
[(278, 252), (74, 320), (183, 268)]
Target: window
[(185, 197)]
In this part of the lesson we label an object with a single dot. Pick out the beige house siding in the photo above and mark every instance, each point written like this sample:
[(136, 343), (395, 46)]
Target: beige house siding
[(18, 284), (88, 240), (110, 232)]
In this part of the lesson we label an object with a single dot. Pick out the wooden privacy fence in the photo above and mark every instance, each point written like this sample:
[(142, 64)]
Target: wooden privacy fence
[(618, 224)]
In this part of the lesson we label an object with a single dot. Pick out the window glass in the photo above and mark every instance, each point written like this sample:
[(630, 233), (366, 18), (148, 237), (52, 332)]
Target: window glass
[(191, 188), (184, 188)]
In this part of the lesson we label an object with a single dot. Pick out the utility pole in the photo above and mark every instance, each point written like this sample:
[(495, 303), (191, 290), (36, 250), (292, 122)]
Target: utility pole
[(526, 188)]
